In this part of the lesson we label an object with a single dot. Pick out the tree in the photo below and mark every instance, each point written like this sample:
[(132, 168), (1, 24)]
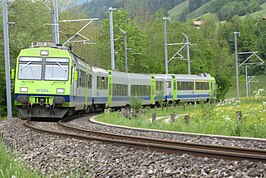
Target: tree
[(135, 40)]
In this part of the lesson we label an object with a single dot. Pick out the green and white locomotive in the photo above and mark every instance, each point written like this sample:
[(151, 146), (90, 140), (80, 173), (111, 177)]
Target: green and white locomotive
[(51, 82)]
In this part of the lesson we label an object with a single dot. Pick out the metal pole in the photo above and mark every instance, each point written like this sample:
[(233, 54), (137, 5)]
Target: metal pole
[(53, 26), (165, 46), (7, 59), (249, 84), (125, 44), (188, 54), (236, 56), (57, 37), (112, 38), (247, 88)]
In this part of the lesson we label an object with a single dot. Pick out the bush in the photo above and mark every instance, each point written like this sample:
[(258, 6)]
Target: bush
[(136, 104)]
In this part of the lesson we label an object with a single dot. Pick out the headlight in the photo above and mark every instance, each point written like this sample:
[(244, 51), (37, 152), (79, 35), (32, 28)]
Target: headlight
[(60, 90), (23, 89)]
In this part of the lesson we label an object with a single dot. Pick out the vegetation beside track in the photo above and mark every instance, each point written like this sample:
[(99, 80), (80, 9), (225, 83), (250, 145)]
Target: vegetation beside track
[(219, 119), (10, 167)]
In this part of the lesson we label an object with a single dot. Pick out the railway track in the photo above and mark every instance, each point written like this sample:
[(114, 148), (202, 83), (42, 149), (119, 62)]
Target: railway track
[(203, 150)]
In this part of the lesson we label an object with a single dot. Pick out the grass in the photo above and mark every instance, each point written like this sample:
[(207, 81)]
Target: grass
[(177, 10), (205, 119), (10, 167), (201, 11)]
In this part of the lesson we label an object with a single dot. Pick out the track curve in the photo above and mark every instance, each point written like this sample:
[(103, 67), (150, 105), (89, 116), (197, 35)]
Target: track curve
[(203, 150)]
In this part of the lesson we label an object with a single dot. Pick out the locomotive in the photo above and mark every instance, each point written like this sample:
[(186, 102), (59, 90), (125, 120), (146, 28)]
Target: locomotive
[(51, 82)]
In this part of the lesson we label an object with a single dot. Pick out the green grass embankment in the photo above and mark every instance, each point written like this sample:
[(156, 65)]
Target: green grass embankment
[(217, 119)]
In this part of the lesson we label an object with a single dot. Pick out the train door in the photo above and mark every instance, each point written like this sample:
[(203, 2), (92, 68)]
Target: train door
[(75, 83), (153, 83), (110, 88), (174, 88)]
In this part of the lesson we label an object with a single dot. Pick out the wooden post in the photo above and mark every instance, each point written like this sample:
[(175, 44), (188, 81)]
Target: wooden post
[(130, 113), (126, 112), (153, 117), (143, 112), (239, 117), (123, 112), (186, 119), (172, 119)]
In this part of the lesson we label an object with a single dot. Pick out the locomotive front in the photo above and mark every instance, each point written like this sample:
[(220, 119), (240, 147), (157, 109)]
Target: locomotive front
[(42, 82)]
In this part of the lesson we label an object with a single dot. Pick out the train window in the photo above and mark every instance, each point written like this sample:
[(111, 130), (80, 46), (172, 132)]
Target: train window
[(185, 85), (105, 83), (190, 85), (202, 85), (168, 84), (30, 71), (102, 83), (120, 90), (159, 86), (57, 60), (82, 79), (56, 72), (90, 81), (28, 59), (140, 90)]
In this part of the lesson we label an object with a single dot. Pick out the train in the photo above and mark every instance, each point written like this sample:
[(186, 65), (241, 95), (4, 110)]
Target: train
[(53, 82)]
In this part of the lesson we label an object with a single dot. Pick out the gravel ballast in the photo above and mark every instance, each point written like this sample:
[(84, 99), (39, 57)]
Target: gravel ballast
[(61, 157)]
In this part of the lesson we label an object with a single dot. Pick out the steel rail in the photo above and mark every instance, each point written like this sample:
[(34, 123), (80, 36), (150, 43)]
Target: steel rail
[(215, 151)]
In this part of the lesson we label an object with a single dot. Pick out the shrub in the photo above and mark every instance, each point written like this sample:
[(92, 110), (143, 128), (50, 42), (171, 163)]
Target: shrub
[(136, 104)]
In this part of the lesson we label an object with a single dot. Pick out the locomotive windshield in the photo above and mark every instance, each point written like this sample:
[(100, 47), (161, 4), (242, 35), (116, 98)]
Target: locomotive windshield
[(31, 68), (56, 69)]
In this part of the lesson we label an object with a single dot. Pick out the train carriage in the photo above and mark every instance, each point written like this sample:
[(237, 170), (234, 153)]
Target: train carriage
[(100, 80), (142, 86), (159, 88), (170, 89), (119, 90), (81, 85), (193, 87)]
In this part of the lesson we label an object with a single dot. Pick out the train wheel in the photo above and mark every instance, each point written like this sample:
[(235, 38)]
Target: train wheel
[(87, 110), (70, 112), (92, 109)]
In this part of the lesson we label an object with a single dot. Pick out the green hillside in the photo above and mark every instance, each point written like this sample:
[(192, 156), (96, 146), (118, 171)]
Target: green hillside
[(220, 12), (261, 13), (176, 11), (199, 12)]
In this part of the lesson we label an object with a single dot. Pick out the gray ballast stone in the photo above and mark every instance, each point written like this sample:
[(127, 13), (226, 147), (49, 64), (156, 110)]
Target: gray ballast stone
[(65, 157)]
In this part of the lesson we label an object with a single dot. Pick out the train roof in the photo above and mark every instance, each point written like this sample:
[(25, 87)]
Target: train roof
[(98, 70), (140, 76), (186, 76)]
